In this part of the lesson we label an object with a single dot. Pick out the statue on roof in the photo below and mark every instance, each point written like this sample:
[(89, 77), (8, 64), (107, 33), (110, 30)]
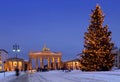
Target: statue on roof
[(45, 48)]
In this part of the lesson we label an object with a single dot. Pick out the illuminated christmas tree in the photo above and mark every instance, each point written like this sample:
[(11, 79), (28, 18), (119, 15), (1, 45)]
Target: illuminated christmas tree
[(97, 45)]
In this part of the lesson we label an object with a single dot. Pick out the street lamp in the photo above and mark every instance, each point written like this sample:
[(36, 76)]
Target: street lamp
[(16, 49)]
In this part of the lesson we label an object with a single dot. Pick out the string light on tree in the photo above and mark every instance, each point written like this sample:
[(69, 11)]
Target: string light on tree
[(97, 45)]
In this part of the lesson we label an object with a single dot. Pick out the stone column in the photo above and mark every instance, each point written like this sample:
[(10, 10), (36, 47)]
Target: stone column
[(23, 65), (30, 61), (18, 65), (49, 66), (8, 67), (54, 63), (41, 63), (11, 67), (36, 61), (73, 65), (59, 62)]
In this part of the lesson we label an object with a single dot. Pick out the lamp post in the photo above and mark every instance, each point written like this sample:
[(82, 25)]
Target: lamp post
[(16, 49)]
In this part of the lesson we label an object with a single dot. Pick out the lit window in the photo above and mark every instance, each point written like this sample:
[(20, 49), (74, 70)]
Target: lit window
[(0, 58), (0, 67), (14, 63), (20, 64), (0, 62)]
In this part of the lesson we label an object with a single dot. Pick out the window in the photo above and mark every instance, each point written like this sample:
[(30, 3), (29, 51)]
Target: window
[(14, 63), (0, 67), (0, 57), (0, 62)]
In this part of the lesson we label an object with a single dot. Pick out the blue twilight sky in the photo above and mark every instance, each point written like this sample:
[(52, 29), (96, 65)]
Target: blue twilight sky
[(60, 24)]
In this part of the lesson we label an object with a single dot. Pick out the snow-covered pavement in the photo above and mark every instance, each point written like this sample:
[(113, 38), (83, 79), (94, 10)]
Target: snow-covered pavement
[(75, 76), (9, 76), (60, 76)]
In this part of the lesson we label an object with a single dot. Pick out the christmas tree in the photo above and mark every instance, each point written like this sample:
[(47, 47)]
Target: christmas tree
[(97, 45)]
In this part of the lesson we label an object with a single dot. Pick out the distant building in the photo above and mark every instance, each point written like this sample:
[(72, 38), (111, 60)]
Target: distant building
[(3, 57), (72, 64), (116, 53), (13, 63)]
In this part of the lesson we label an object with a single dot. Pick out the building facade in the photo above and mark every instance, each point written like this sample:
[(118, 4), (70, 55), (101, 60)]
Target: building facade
[(13, 63), (116, 53), (72, 64), (3, 57)]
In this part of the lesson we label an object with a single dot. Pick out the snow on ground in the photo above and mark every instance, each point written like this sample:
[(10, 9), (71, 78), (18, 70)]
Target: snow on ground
[(8, 76), (75, 76), (60, 76)]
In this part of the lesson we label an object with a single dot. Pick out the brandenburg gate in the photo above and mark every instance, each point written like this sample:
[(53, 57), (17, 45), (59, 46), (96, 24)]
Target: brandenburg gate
[(53, 59)]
